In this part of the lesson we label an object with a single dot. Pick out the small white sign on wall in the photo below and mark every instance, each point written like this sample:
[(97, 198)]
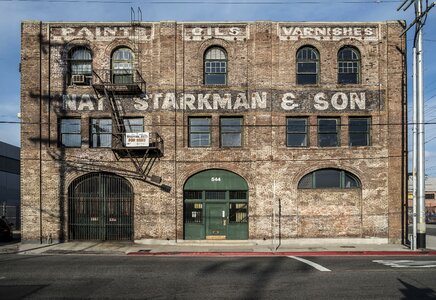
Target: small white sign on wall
[(137, 139)]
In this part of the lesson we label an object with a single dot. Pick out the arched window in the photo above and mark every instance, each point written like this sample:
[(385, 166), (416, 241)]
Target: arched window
[(329, 178), (307, 65), (348, 65), (215, 66), (122, 66), (80, 66)]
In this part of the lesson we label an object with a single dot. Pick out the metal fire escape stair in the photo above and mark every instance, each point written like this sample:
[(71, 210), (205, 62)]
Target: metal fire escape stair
[(143, 157)]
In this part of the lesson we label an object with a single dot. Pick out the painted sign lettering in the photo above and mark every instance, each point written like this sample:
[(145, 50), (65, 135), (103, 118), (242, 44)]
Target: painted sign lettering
[(226, 32), (287, 101), (102, 33), (327, 32)]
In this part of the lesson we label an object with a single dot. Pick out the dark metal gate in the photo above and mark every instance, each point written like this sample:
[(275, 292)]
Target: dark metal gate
[(100, 208)]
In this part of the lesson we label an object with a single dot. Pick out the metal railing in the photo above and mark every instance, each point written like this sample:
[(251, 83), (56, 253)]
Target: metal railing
[(119, 80)]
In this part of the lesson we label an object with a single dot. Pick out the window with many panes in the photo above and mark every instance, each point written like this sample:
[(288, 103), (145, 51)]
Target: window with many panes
[(122, 66), (215, 66), (70, 133), (296, 132), (348, 65), (80, 66), (329, 178), (101, 133), (307, 65), (231, 131), (359, 131), (199, 132), (328, 132)]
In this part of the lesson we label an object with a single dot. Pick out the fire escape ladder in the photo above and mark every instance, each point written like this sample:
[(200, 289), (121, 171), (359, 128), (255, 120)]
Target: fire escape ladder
[(141, 148)]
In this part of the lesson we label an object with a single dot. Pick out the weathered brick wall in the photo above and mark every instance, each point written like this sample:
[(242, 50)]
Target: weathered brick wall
[(261, 59)]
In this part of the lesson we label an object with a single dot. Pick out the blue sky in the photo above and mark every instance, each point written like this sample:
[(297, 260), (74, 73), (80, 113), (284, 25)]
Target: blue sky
[(14, 11)]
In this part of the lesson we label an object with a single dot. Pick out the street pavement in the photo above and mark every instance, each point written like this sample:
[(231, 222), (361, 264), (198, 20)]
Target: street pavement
[(146, 277)]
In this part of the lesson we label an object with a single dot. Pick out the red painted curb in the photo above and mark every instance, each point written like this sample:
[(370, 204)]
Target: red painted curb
[(264, 254)]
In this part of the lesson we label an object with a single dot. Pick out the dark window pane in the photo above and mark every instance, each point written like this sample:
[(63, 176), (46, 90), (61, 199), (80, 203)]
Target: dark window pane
[(328, 179), (238, 213), (193, 212), (308, 67), (358, 125), (350, 181), (327, 125), (215, 79), (296, 125), (358, 139), (347, 78), (296, 139), (215, 195), (306, 182), (193, 194), (237, 195), (306, 78), (328, 140)]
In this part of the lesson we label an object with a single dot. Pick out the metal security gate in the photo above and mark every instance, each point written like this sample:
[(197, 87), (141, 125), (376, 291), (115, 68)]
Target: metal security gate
[(100, 208)]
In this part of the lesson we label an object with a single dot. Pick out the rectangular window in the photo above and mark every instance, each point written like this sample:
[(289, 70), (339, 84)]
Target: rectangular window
[(194, 213), (359, 131), (231, 132), (70, 134), (134, 124), (238, 213), (328, 132), (101, 133), (199, 132), (296, 132)]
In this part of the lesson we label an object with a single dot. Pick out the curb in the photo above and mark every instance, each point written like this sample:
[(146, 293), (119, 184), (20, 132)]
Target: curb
[(266, 254)]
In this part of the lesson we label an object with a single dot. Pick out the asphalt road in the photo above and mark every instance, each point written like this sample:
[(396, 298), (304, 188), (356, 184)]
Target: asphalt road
[(127, 277)]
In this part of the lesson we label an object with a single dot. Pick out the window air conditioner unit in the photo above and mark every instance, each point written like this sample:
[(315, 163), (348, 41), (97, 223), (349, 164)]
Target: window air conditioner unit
[(78, 79)]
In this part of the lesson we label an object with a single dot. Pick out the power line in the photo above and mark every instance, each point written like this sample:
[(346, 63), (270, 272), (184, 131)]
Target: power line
[(214, 2)]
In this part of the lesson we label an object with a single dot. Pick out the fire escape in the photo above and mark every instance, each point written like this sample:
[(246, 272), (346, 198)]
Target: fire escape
[(141, 148), (118, 85)]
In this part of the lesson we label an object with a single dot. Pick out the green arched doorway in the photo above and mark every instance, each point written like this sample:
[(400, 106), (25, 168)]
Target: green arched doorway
[(215, 206)]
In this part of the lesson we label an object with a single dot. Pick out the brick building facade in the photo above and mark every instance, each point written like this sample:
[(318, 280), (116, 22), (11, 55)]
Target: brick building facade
[(184, 130)]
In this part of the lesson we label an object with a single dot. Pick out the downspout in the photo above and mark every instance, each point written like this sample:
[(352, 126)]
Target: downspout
[(40, 132)]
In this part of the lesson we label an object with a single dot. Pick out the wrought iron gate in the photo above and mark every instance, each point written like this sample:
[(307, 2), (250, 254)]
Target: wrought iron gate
[(100, 208)]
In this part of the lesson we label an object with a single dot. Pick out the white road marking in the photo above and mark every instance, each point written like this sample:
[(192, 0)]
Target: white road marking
[(407, 263), (2, 277), (311, 263)]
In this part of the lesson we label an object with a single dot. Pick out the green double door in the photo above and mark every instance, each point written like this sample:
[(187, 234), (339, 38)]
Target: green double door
[(216, 206), (216, 220)]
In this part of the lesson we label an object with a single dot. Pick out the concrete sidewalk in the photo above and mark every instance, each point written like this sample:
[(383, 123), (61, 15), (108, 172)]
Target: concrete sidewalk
[(295, 247)]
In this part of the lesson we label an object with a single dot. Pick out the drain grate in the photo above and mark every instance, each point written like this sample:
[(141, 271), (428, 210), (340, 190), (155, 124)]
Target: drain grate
[(349, 247)]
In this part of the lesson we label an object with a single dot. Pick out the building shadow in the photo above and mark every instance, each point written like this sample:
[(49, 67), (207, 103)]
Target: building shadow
[(412, 292)]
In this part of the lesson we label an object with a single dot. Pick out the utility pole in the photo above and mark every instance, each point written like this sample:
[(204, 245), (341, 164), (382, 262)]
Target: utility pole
[(419, 226)]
